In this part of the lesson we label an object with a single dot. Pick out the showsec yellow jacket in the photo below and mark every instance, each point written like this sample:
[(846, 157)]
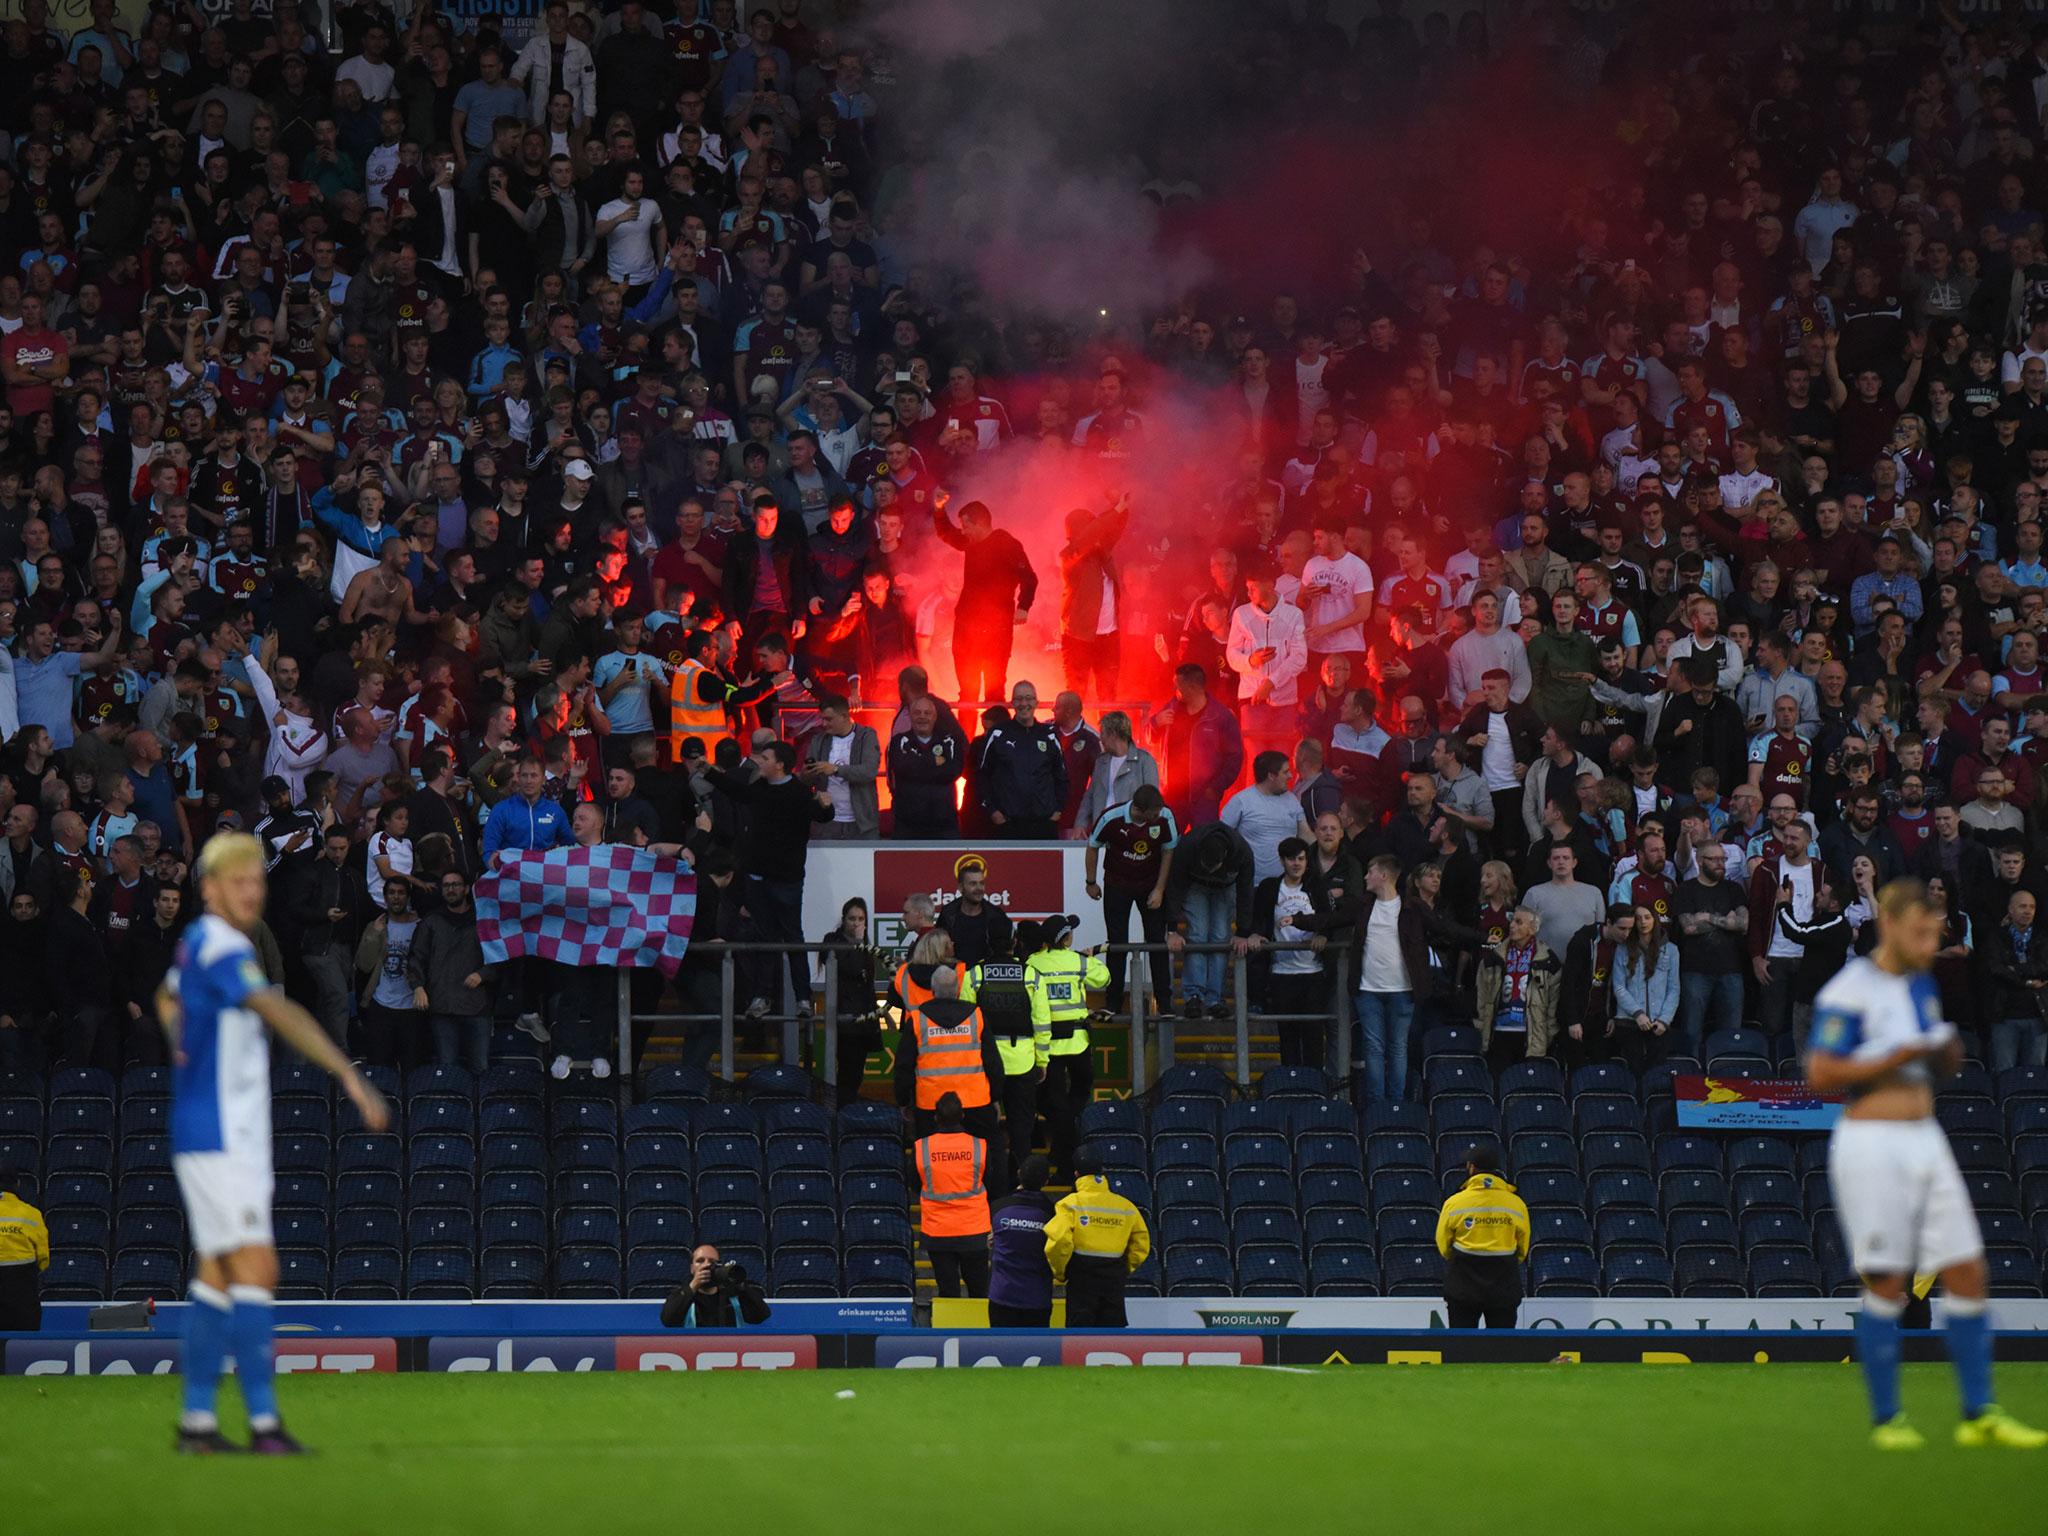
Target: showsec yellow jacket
[(1095, 1222), (1486, 1219), (24, 1238)]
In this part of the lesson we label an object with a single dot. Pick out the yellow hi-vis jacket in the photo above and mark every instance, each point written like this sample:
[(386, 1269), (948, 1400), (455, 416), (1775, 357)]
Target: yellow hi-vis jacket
[(24, 1238), (1485, 1219), (989, 986), (1060, 979), (1095, 1222)]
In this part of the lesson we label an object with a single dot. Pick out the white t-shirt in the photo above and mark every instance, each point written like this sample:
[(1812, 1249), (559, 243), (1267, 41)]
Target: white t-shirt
[(1341, 579), (840, 752), (1292, 902), (1498, 758), (1384, 969), (397, 851), (1801, 879), (629, 248)]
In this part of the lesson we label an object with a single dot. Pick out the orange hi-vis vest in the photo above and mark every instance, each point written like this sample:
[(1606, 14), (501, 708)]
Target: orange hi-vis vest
[(916, 994), (689, 716), (952, 1195), (948, 1059)]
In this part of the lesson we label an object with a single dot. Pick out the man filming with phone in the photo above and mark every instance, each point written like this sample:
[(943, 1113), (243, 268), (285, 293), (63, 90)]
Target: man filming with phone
[(707, 1301)]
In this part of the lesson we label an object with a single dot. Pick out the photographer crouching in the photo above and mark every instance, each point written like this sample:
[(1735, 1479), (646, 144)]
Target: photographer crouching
[(707, 1301)]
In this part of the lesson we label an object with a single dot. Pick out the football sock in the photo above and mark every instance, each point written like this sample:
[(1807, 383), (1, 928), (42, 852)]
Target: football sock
[(206, 1344), (1967, 1328), (254, 1366), (1877, 1350)]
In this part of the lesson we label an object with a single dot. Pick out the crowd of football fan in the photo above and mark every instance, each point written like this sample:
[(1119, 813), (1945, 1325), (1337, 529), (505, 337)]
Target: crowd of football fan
[(437, 448)]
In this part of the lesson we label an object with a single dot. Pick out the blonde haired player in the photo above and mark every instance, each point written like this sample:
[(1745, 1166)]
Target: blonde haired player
[(1879, 1037), (213, 1006)]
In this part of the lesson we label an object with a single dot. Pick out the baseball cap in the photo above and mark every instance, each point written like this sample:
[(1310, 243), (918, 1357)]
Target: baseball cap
[(1052, 929), (577, 469)]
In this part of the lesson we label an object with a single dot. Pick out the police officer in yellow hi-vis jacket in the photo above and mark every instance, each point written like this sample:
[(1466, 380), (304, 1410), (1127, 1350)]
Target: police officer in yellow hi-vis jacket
[(1483, 1235), (1060, 980), (1095, 1239), (24, 1255)]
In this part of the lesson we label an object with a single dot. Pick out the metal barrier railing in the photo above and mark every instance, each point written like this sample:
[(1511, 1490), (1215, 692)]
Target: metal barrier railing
[(1149, 1024)]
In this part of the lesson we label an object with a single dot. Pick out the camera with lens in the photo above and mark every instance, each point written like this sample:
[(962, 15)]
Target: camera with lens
[(728, 1276)]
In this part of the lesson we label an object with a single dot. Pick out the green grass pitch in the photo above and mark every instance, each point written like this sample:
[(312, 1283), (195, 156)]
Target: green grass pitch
[(1527, 1450)]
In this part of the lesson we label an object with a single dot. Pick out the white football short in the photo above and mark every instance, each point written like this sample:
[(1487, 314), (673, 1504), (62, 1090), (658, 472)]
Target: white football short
[(227, 1201), (1900, 1198)]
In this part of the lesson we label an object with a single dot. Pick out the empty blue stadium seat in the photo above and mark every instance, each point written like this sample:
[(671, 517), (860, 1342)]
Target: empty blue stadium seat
[(309, 1117), (795, 1118), (77, 1154), (1760, 1152), (804, 1273), (1551, 1186), (441, 1115), (726, 1120), (1593, 1113), (513, 1226), (2013, 1271), (1122, 1116), (737, 1189), (1398, 1149), (732, 1227), (363, 1151), (160, 1227), (1404, 1224), (1400, 1186), (1764, 1189), (1192, 1224), (1200, 1116), (1339, 1187), (1464, 1112), (514, 1272), (72, 1083), (1627, 1228), (876, 1189), (1540, 1078), (440, 1274), (514, 1117), (367, 1226), (1560, 1224), (427, 1153), (1265, 1225), (1257, 1187), (1690, 1189), (1311, 1117), (1188, 1186), (1197, 1269), (1327, 1149), (1294, 1083), (293, 1226), (138, 1117), (1619, 1187), (1773, 1227), (513, 1188), (775, 1082), (602, 1153), (1412, 1269), (144, 1154), (302, 1274), (1342, 1270), (1534, 1150), (871, 1228), (1603, 1077), (809, 1153), (588, 1273), (1700, 1154), (861, 1153), (1961, 1115), (1700, 1227), (590, 1186), (804, 1226), (440, 1226), (1704, 1272), (1784, 1272), (91, 1231), (1132, 1185), (1459, 1076), (1452, 1040), (679, 1084), (153, 1274), (583, 1117), (1535, 1112), (1265, 1152), (1601, 1151), (1271, 1271), (801, 1186), (1118, 1150), (1563, 1269), (88, 1190), (1637, 1272), (1396, 1116), (873, 1272), (1184, 1150), (1254, 1117), (1345, 1226), (1193, 1082), (661, 1152), (75, 1275), (653, 1272), (1993, 1191), (162, 1189)]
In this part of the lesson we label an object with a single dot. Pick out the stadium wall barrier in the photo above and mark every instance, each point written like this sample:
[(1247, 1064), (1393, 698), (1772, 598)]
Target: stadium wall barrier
[(1024, 879), (112, 1354), (457, 1319)]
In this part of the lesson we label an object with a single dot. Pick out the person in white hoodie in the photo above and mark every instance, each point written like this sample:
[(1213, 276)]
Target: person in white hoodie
[(297, 745), (1268, 650)]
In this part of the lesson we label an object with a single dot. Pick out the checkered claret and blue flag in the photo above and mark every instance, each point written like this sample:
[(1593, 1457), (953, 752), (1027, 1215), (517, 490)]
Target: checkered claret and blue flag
[(608, 905)]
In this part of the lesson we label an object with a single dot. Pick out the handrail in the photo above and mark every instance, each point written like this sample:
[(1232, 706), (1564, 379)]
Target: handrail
[(1137, 991)]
